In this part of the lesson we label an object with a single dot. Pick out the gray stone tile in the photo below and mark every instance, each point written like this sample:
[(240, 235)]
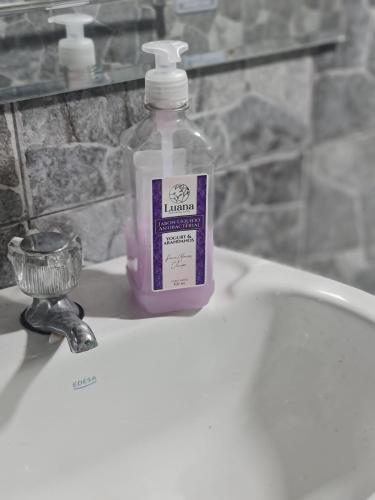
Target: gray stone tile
[(44, 122), (365, 280), (122, 26), (344, 103), (8, 173), (49, 66), (232, 191), (5, 81), (327, 266), (147, 28), (368, 220), (60, 177), (39, 21), (203, 21), (353, 52), (234, 9), (213, 128), (257, 128), (134, 103), (177, 25), (268, 21), (252, 11), (287, 84), (283, 8), (100, 225), (6, 234), (306, 22), (272, 233), (336, 162), (90, 9), (331, 14), (103, 39), (256, 33), (219, 89), (122, 49), (197, 96), (270, 183), (346, 162), (371, 48), (117, 174), (276, 182), (11, 206), (116, 14), (331, 218), (22, 48), (226, 33), (348, 267), (197, 40), (97, 116)]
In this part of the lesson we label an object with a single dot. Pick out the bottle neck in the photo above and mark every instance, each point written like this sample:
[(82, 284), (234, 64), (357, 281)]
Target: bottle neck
[(165, 118), (180, 111)]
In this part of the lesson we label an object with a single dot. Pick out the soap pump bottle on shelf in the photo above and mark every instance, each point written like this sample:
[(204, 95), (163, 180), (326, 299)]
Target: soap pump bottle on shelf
[(76, 52), (169, 227)]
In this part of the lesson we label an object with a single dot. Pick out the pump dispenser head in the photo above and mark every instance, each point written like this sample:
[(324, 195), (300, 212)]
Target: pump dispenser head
[(166, 87), (75, 51)]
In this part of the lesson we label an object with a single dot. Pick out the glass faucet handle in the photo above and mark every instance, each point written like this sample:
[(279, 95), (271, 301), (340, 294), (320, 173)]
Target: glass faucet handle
[(46, 264)]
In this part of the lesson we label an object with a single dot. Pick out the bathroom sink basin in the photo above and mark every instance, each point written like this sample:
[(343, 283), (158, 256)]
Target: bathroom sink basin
[(267, 394)]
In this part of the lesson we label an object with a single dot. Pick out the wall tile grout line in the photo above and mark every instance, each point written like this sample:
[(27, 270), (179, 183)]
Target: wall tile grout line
[(21, 162), (7, 225), (71, 208), (306, 167)]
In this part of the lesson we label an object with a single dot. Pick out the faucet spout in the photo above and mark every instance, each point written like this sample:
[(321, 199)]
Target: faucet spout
[(63, 317), (79, 335)]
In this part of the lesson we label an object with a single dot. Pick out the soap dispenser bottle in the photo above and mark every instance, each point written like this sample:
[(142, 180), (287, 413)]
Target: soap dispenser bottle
[(76, 52), (169, 227)]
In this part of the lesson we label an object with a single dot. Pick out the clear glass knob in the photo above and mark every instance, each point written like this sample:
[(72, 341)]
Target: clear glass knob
[(46, 264)]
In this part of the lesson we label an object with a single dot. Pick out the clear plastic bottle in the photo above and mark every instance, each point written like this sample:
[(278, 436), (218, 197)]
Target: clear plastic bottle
[(169, 227)]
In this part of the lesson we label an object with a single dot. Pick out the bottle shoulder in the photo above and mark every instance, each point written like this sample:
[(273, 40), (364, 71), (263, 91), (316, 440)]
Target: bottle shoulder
[(147, 134)]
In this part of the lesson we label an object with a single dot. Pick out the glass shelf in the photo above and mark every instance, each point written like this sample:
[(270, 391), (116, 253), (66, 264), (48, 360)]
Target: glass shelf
[(229, 31)]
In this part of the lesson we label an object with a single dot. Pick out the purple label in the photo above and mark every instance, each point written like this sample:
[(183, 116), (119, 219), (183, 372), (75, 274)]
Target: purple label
[(157, 250), (201, 233), (173, 224), (179, 232)]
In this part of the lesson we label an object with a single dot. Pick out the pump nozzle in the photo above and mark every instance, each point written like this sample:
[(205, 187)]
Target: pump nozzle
[(73, 22), (75, 51), (167, 52), (166, 86)]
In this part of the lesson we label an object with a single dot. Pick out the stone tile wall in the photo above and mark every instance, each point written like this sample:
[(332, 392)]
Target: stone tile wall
[(294, 140)]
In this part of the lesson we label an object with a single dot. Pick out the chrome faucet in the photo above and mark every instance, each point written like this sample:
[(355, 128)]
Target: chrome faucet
[(47, 266)]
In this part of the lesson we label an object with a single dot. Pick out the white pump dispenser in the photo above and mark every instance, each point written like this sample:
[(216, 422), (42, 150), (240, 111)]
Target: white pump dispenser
[(75, 51), (166, 87)]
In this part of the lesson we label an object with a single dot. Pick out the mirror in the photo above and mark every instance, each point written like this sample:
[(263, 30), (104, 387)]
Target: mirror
[(218, 31)]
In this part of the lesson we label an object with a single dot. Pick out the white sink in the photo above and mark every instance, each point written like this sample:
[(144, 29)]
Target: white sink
[(266, 394)]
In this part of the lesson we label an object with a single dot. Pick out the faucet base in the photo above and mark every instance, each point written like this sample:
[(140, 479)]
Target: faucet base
[(26, 324), (61, 316)]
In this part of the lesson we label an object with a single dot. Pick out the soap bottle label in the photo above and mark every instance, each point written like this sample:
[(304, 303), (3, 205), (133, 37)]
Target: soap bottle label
[(179, 227)]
